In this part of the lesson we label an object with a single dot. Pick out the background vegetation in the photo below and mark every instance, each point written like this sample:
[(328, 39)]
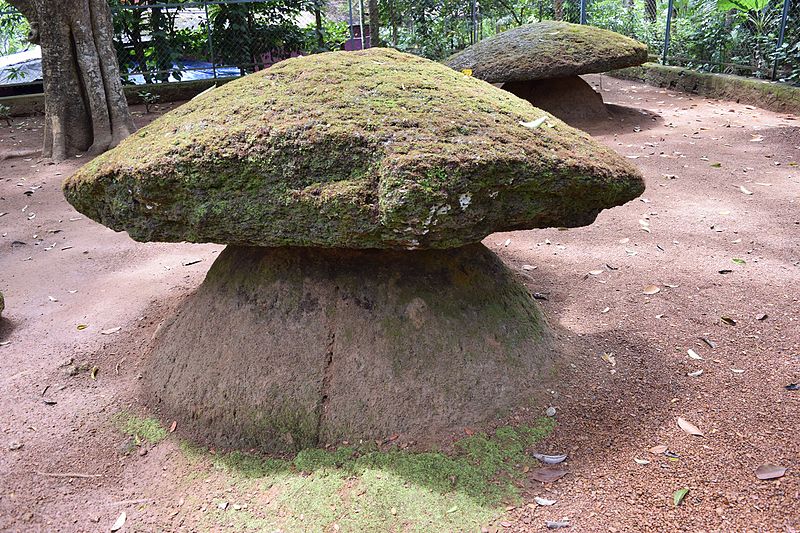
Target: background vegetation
[(727, 36)]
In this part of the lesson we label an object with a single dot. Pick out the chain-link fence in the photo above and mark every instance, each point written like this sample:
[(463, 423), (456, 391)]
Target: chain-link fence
[(180, 41), (745, 37), (185, 40), (204, 39)]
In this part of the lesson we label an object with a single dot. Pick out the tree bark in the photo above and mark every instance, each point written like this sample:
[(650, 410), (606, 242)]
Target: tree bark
[(374, 24), (318, 26), (393, 20), (85, 108), (558, 9)]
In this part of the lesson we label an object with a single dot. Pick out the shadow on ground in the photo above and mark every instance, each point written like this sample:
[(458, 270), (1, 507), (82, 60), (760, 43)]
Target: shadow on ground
[(7, 326), (378, 487)]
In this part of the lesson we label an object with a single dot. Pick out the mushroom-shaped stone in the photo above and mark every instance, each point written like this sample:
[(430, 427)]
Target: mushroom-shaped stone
[(541, 63), (370, 150), (317, 323)]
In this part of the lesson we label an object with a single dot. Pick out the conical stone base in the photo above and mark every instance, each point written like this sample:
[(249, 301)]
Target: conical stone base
[(285, 348), (571, 99)]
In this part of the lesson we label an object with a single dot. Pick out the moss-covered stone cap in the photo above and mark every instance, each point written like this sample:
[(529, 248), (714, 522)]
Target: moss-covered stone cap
[(548, 49), (372, 149)]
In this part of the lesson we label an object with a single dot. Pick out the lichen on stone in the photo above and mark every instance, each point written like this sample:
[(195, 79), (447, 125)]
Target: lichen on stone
[(548, 49), (371, 149)]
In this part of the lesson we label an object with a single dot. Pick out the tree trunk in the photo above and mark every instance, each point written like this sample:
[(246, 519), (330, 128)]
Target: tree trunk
[(318, 26), (157, 34), (374, 24), (85, 108), (393, 20), (558, 9)]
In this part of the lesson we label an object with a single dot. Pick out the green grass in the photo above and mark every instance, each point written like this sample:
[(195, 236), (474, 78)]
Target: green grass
[(362, 489), (140, 428)]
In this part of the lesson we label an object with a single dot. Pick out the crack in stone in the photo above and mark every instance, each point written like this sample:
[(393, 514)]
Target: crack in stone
[(322, 407)]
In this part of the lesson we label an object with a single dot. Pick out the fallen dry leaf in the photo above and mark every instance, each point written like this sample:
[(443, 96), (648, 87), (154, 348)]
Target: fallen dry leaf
[(546, 475), (689, 428), (769, 471), (709, 342), (173, 426), (550, 459), (110, 331), (119, 522), (651, 289), (533, 124), (694, 355), (658, 450)]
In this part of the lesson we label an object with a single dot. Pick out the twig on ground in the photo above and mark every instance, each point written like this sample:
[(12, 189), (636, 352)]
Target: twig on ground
[(128, 502), (68, 474)]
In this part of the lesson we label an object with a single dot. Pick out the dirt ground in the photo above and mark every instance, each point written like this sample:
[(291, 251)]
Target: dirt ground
[(722, 185)]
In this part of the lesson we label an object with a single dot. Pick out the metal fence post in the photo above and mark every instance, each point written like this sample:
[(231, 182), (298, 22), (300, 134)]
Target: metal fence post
[(361, 21), (210, 42), (781, 36), (583, 11), (473, 37), (667, 33), (352, 33)]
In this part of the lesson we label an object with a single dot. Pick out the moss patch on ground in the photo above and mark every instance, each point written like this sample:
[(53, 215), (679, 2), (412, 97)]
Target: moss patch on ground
[(140, 428), (363, 489)]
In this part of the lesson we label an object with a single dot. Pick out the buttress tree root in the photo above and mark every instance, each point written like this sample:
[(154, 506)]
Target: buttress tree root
[(85, 107)]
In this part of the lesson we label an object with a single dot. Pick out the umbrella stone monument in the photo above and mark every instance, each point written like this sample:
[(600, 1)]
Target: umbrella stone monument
[(354, 299), (542, 63)]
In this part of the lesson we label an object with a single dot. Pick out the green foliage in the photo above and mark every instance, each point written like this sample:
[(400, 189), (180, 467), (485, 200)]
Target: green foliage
[(727, 36), (154, 42), (13, 30), (5, 115), (148, 99), (744, 6), (788, 58), (242, 32), (334, 35), (147, 41)]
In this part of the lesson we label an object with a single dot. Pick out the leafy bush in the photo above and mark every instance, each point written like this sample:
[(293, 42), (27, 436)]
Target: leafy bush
[(14, 30)]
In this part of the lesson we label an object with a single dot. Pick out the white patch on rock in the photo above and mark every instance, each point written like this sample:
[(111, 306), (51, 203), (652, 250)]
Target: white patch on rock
[(464, 200)]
